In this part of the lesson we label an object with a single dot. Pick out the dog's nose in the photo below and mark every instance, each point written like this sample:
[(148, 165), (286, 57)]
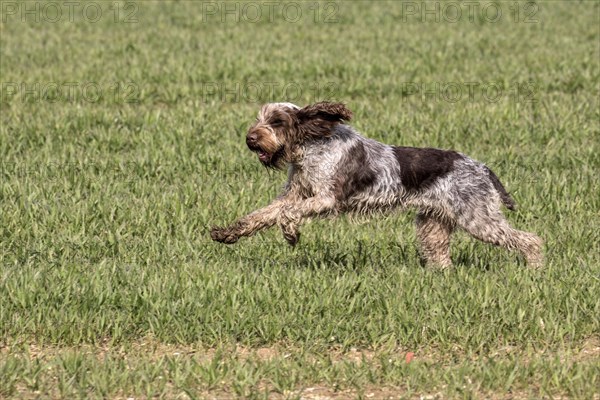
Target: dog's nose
[(251, 139)]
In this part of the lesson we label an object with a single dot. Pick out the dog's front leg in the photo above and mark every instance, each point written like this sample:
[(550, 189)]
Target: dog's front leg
[(262, 218), (293, 214)]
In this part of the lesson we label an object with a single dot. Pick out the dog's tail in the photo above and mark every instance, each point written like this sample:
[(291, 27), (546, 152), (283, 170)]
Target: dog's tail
[(504, 196)]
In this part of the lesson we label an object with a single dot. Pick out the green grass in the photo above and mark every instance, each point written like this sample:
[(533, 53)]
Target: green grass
[(111, 288)]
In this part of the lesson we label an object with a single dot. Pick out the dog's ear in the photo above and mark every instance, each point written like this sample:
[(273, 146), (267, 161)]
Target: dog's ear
[(326, 111), (318, 119)]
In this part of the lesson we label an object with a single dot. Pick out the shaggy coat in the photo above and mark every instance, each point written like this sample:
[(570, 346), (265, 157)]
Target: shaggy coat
[(332, 169)]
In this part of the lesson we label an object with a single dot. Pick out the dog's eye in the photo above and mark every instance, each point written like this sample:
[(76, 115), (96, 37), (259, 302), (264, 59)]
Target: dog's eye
[(277, 122)]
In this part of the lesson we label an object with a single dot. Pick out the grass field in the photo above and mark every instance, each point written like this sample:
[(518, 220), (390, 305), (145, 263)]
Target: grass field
[(122, 142)]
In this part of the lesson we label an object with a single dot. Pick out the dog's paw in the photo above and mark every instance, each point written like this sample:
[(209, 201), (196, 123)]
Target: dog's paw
[(292, 239), (223, 235), (292, 236)]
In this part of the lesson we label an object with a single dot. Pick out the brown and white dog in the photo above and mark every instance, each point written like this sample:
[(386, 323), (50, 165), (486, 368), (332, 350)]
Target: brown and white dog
[(332, 169)]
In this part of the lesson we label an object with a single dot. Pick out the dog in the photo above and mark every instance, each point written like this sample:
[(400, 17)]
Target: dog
[(332, 169)]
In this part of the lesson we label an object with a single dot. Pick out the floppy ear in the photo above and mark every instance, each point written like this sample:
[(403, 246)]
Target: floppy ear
[(320, 118), (333, 112)]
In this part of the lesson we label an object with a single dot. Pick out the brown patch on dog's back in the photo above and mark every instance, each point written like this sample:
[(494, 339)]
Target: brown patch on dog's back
[(420, 168), (355, 175)]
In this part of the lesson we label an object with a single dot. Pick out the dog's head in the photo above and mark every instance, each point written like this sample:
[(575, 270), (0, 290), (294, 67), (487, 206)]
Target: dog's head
[(281, 127)]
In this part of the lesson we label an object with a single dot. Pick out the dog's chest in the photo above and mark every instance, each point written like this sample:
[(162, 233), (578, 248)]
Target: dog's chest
[(314, 175), (304, 182)]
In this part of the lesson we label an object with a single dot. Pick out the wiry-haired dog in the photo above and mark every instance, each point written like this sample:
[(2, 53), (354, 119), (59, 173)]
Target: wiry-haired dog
[(332, 169)]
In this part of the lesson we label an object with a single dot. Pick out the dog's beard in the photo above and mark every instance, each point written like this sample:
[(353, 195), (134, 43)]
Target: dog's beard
[(270, 159)]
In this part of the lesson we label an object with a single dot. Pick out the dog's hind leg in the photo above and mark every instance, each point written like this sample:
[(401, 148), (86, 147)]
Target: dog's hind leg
[(433, 233), (492, 227)]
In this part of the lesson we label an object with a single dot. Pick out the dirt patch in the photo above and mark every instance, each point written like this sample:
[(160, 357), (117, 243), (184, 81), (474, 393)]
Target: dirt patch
[(588, 349)]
